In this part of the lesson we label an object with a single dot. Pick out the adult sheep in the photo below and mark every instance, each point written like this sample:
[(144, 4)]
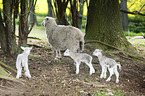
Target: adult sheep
[(63, 37)]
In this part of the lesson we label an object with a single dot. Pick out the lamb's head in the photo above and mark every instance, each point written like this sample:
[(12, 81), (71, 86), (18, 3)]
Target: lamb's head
[(97, 52), (26, 49), (48, 21), (67, 53)]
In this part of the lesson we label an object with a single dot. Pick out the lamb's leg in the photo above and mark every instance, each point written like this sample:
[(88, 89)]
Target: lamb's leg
[(19, 72), (19, 67), (111, 70), (117, 74), (92, 70), (59, 54), (56, 55), (105, 71), (27, 72), (77, 67), (102, 73)]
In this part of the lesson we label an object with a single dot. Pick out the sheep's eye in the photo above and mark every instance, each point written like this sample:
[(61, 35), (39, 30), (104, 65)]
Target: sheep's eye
[(47, 19)]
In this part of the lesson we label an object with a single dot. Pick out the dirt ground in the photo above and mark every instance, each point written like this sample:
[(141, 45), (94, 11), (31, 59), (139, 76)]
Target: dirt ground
[(52, 77)]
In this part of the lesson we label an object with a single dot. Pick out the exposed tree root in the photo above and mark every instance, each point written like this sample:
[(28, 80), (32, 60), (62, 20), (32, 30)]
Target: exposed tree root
[(8, 67), (124, 52)]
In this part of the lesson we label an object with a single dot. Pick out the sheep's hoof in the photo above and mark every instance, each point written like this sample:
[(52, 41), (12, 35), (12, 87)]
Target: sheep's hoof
[(56, 58), (117, 81), (59, 57), (77, 73), (108, 80), (104, 77), (101, 77), (17, 77)]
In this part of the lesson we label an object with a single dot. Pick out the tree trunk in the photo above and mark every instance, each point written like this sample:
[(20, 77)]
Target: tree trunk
[(74, 13), (104, 25), (60, 7), (50, 8), (23, 24), (33, 19), (3, 35), (124, 16), (9, 32), (80, 16)]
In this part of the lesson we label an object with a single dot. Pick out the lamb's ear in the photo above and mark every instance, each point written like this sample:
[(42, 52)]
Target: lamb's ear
[(22, 47), (30, 48), (100, 50), (67, 49)]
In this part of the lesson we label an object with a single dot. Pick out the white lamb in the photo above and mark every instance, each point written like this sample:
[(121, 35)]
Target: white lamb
[(107, 63), (63, 37), (80, 57), (22, 61)]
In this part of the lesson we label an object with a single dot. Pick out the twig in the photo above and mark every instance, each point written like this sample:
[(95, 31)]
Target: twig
[(141, 8), (134, 12)]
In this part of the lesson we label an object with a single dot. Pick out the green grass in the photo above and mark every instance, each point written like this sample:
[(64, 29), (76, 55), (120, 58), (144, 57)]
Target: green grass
[(38, 31), (132, 34)]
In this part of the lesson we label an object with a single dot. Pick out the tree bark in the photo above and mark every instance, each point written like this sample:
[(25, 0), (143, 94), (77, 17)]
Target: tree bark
[(33, 19), (104, 25), (3, 35), (50, 8), (9, 32), (80, 16), (74, 13), (60, 7), (124, 16), (23, 24)]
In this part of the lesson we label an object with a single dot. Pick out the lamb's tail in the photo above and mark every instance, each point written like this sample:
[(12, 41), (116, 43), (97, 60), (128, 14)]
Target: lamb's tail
[(119, 66)]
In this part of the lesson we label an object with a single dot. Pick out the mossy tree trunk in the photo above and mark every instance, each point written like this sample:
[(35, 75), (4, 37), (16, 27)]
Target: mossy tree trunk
[(104, 25), (3, 39), (9, 31), (23, 23)]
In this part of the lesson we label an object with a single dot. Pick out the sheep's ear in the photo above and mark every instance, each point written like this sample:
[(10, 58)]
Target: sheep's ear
[(30, 48), (67, 49), (22, 47)]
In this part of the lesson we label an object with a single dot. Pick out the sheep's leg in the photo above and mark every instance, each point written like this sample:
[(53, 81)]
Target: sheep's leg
[(117, 74), (56, 55), (111, 70), (77, 67), (105, 71), (27, 72), (102, 73), (59, 54), (92, 70), (19, 70), (19, 67)]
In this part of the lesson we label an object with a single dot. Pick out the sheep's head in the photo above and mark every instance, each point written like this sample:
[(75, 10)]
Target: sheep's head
[(67, 53), (26, 49), (48, 21), (97, 52)]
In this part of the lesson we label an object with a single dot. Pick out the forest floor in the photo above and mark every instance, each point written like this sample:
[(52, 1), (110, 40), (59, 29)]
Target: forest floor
[(52, 77)]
